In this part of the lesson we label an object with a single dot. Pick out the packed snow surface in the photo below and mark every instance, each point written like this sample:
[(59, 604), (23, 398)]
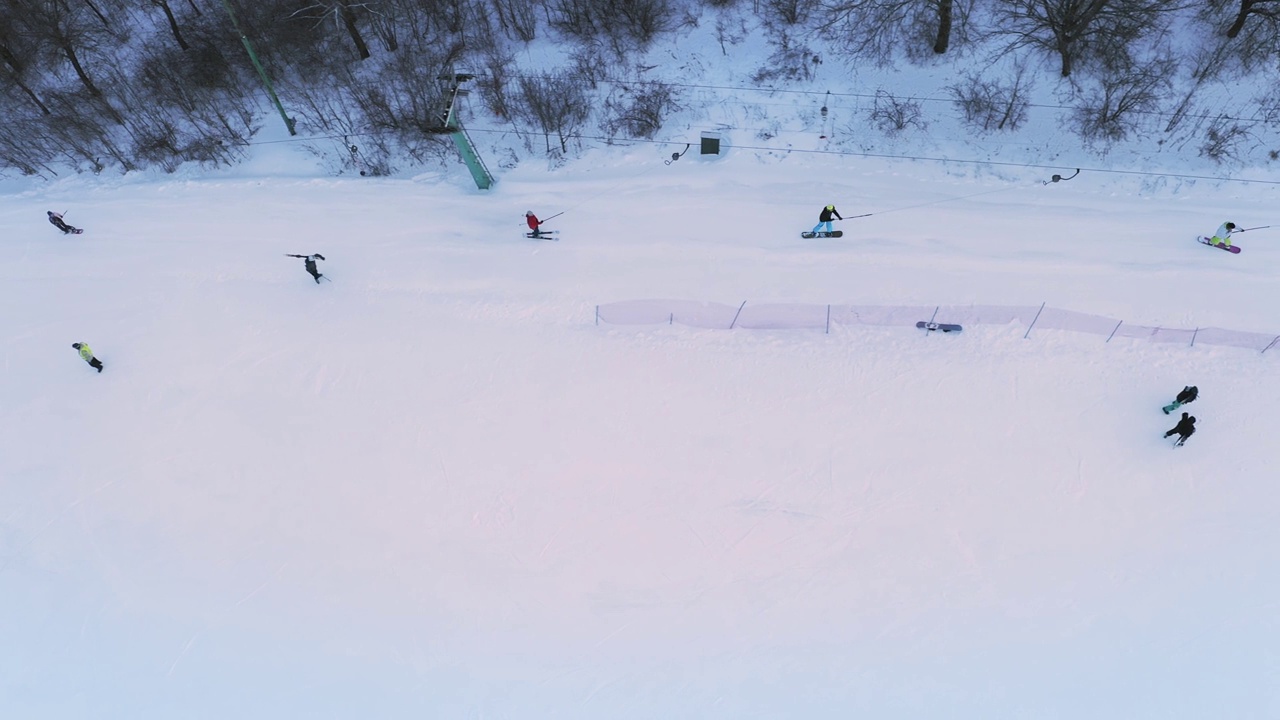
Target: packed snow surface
[(434, 487)]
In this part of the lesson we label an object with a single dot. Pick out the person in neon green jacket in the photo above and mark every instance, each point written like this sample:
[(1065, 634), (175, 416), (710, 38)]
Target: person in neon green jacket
[(87, 354)]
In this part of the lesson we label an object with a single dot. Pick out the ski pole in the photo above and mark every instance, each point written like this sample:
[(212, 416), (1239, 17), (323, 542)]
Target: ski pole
[(1260, 227)]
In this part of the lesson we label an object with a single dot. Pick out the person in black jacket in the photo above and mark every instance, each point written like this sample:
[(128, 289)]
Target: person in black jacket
[(309, 262), (56, 220), (1185, 428), (1189, 394), (824, 219)]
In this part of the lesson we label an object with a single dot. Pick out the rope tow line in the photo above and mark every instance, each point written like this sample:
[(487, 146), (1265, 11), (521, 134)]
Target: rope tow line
[(1056, 178)]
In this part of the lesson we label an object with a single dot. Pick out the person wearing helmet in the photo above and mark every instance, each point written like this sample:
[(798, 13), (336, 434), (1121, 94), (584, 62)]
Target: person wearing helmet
[(1223, 235), (824, 219), (534, 222), (87, 355)]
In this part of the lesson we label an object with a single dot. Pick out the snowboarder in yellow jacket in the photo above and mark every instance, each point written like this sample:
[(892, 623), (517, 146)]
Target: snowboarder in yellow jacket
[(87, 354)]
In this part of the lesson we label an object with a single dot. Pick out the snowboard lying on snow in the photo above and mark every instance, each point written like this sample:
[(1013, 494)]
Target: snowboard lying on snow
[(944, 327)]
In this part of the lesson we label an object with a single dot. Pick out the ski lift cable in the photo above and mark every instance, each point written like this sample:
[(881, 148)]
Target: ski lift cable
[(840, 153), (1020, 186), (865, 96)]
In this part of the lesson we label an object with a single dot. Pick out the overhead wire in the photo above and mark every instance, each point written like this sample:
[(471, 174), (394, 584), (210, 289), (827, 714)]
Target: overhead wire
[(810, 151), (864, 96)]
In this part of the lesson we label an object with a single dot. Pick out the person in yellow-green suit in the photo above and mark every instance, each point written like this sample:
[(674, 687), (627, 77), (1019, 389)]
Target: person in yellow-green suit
[(1223, 236), (87, 354)]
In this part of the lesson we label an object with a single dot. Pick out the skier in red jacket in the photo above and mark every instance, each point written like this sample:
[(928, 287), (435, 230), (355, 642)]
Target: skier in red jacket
[(534, 222)]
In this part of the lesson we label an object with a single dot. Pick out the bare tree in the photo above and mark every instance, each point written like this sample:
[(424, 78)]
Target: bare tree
[(1205, 66), (517, 18), (591, 64), (991, 104), (1267, 12), (27, 145), (173, 22), (788, 12), (878, 30), (1081, 31), (637, 111), (577, 18), (643, 20), (452, 16), (387, 23), (343, 13), (64, 27), (556, 105), (1225, 139), (286, 44), (893, 114), (791, 60), (347, 129), (1122, 101), (623, 21), (495, 84), (1252, 30), (17, 53)]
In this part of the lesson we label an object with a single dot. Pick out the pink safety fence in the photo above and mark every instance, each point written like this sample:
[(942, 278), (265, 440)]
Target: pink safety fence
[(797, 316)]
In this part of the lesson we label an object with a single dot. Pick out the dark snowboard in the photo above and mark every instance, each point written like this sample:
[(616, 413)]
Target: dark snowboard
[(837, 233), (938, 326), (1234, 249), (62, 225)]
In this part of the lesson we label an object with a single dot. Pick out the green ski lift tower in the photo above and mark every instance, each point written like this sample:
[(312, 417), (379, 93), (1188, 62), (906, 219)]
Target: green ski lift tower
[(453, 128)]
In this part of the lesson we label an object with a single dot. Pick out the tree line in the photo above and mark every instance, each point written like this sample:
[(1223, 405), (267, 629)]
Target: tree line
[(129, 84)]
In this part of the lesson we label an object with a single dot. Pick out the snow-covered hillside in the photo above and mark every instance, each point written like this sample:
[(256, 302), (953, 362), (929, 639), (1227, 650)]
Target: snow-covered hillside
[(435, 488)]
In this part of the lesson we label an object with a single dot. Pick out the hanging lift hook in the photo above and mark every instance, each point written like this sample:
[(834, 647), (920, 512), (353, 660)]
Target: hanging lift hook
[(823, 136), (1059, 178), (677, 156)]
